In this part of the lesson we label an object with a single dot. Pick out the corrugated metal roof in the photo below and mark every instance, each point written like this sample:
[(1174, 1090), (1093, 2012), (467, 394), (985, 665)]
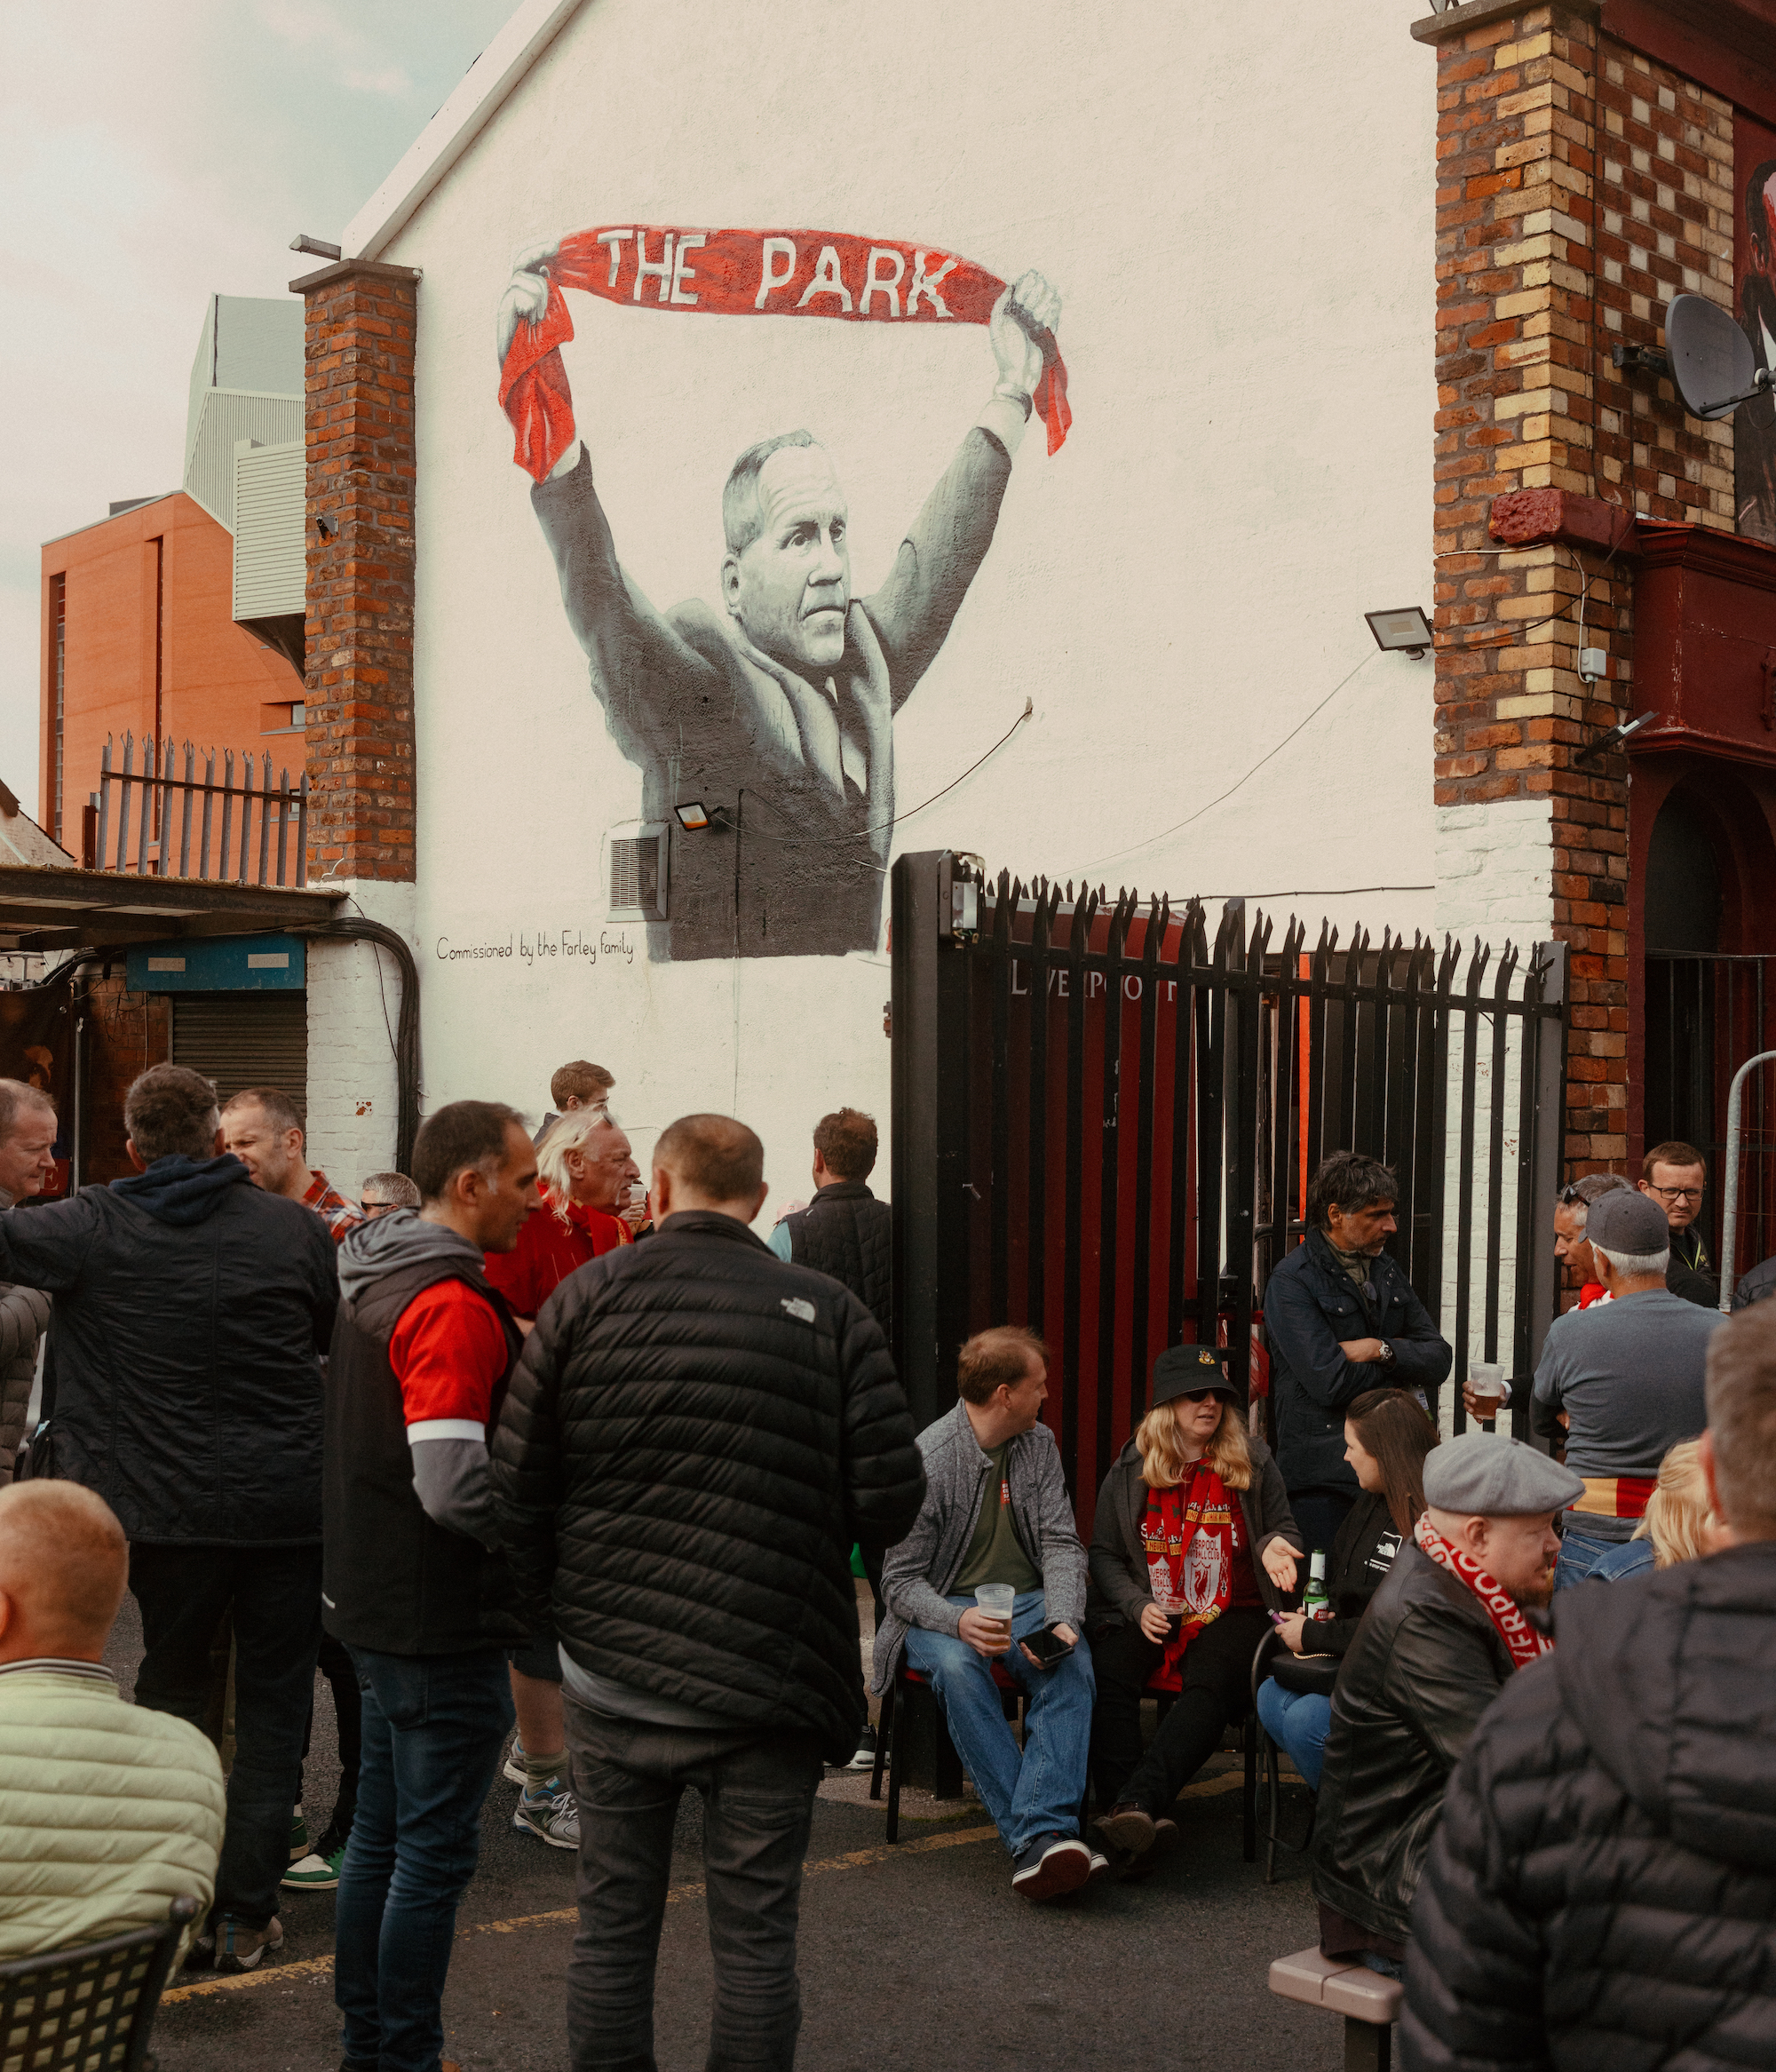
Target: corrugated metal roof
[(225, 416), (252, 343), (271, 565)]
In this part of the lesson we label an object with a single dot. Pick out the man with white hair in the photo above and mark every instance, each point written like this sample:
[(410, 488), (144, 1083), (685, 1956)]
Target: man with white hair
[(27, 1135), (1629, 1373), (1449, 1627)]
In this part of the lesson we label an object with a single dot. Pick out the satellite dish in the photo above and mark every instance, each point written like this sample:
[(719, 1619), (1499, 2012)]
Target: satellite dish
[(1711, 359)]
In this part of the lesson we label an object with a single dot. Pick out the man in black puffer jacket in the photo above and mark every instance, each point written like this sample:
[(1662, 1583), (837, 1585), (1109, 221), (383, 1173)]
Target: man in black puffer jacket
[(191, 1309), (1602, 1888), (695, 1436), (844, 1231)]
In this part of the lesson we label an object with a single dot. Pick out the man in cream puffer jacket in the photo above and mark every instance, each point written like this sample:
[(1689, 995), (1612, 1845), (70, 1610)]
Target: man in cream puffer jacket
[(108, 1812)]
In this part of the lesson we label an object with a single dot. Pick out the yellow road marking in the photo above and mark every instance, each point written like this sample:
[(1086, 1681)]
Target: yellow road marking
[(320, 1967)]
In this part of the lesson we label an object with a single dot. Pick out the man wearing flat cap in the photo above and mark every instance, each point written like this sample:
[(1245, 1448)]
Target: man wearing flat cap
[(1449, 1627), (1628, 1373)]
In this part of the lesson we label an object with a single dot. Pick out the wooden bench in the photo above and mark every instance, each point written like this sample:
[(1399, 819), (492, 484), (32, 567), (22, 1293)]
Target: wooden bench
[(1369, 2003)]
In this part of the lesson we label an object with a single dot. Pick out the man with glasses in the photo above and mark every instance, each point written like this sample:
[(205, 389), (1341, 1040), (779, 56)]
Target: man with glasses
[(383, 1193), (1676, 1177)]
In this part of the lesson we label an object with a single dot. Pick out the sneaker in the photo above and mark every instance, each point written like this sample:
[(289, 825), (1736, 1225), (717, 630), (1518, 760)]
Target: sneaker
[(513, 1769), (298, 1836), (552, 1815), (318, 1872), (1051, 1865), (865, 1757), (1138, 1839), (1100, 1870), (239, 1949), (200, 1954)]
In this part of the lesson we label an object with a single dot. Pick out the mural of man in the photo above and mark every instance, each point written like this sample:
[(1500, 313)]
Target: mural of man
[(778, 708), (1755, 422)]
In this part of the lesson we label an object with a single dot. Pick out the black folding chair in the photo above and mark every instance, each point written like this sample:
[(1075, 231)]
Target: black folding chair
[(1269, 1648), (90, 2008)]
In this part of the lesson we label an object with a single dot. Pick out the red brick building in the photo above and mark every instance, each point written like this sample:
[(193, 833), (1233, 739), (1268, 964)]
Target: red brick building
[(1595, 158)]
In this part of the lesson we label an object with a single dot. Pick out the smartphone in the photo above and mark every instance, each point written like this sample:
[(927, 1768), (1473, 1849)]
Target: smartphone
[(1048, 1646)]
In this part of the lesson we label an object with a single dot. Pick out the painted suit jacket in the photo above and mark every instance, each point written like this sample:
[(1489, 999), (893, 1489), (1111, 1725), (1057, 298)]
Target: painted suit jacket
[(705, 715)]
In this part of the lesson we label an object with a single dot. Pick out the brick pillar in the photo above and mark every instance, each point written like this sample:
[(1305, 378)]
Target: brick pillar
[(1539, 845), (362, 322)]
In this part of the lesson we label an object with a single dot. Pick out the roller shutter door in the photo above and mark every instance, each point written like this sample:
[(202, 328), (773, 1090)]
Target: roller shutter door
[(244, 1039)]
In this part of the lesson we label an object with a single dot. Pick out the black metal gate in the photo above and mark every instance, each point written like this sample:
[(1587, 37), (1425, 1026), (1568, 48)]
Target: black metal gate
[(1120, 1166)]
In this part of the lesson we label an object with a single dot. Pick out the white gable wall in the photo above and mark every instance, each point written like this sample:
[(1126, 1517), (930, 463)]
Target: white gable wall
[(1237, 211)]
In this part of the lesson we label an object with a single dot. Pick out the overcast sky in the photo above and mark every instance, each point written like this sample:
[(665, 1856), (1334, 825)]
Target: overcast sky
[(149, 157)]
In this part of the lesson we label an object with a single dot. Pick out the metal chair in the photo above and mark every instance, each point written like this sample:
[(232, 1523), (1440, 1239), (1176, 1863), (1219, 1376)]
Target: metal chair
[(1268, 1650), (90, 2008)]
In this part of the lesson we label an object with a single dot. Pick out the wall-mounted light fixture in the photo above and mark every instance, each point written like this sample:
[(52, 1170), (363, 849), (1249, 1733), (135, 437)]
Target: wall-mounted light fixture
[(317, 246), (1407, 632), (327, 528), (691, 817)]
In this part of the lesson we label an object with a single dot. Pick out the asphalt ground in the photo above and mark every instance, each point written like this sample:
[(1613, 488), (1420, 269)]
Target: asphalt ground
[(918, 1956)]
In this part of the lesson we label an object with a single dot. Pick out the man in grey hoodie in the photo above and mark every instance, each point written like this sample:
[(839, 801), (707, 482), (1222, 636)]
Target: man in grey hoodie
[(413, 1581), (996, 1512)]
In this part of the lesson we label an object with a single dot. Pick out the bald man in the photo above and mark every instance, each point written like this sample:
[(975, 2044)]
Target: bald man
[(695, 1436), (108, 1812)]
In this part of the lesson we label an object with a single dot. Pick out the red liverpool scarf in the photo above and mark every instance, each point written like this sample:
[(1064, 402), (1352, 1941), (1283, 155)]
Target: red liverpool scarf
[(1525, 1644), (1191, 1534), (744, 273)]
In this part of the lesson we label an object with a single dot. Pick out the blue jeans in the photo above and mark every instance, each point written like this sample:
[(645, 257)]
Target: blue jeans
[(1578, 1551), (1038, 1792), (434, 1726), (1298, 1722)]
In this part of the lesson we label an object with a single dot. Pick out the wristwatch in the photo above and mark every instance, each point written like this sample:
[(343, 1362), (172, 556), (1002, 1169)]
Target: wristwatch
[(1386, 1356)]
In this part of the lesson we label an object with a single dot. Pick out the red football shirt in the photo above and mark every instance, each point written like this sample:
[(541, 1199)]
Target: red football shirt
[(448, 1353)]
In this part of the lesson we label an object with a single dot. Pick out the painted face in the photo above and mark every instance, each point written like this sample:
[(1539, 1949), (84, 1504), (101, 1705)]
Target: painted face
[(791, 587), (1570, 1243), (28, 1156)]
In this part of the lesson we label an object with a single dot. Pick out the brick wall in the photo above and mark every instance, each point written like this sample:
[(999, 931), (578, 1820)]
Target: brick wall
[(1665, 228), (362, 319)]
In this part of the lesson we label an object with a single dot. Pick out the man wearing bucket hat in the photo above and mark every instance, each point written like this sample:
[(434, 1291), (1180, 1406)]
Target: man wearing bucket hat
[(1443, 1634), (1628, 1373), (1192, 1547)]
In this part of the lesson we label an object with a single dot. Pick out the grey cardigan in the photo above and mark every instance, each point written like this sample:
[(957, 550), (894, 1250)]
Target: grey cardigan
[(1119, 1561), (917, 1575)]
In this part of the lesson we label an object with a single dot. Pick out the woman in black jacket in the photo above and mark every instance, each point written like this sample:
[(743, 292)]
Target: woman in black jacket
[(1386, 1438), (1183, 1580)]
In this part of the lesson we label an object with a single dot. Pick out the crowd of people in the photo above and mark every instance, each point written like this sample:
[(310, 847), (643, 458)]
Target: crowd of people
[(559, 1476)]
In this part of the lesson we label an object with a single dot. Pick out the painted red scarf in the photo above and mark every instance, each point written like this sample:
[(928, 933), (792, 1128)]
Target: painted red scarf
[(1525, 1644), (744, 273)]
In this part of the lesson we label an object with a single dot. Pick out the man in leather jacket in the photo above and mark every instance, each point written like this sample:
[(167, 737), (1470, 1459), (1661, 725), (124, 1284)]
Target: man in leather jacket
[(1341, 1317), (1443, 1634)]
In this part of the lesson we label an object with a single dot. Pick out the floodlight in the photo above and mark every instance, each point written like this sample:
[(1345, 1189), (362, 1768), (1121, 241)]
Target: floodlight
[(1406, 632), (691, 817)]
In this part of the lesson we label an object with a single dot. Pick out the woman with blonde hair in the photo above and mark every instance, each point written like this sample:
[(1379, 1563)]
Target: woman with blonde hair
[(1194, 1547), (1680, 1524), (584, 1173)]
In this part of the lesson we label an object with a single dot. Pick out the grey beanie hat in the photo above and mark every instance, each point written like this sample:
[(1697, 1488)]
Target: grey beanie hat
[(1482, 1475), (1628, 1221)]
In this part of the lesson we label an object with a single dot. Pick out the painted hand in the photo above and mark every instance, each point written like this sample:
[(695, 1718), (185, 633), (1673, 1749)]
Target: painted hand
[(526, 297), (1028, 307)]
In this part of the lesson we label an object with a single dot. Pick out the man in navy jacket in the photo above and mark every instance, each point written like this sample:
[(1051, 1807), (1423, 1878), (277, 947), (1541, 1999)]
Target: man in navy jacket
[(1341, 1317)]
